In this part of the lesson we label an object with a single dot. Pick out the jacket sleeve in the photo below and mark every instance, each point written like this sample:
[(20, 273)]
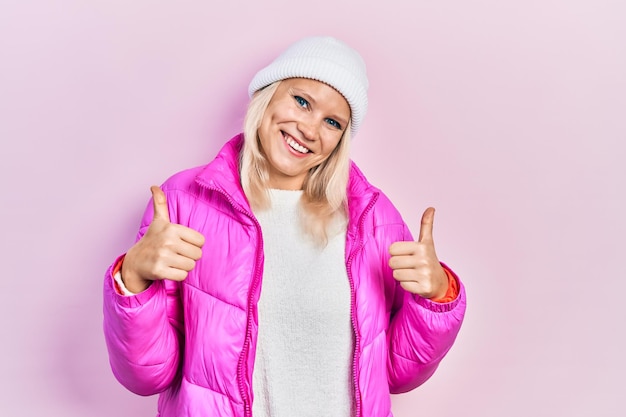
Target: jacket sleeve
[(143, 332), (420, 331)]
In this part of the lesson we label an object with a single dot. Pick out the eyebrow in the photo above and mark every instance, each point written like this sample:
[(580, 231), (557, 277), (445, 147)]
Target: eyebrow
[(299, 92), (341, 120)]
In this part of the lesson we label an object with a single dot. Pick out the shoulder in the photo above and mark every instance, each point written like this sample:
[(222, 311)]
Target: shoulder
[(372, 213), (223, 169), (364, 195), (182, 180)]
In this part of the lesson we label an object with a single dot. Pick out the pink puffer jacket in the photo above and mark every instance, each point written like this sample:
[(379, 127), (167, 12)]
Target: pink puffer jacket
[(194, 342)]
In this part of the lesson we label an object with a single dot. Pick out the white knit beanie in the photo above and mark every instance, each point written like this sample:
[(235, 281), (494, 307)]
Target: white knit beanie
[(324, 59)]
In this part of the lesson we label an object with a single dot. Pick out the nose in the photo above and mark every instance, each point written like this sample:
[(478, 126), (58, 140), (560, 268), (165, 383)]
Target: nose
[(308, 128)]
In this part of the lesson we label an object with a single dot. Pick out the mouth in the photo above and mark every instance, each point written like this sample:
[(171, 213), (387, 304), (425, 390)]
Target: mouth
[(295, 145)]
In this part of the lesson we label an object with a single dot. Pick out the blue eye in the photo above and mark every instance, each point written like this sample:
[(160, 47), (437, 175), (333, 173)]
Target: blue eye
[(302, 102), (333, 123)]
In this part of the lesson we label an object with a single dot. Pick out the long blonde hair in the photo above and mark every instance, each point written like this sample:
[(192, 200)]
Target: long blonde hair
[(324, 190)]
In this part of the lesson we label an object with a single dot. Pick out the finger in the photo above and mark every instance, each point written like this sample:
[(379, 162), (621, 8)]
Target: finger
[(173, 267), (426, 228), (191, 236), (402, 262), (402, 248), (159, 203), (412, 287), (189, 251), (182, 262), (174, 274), (424, 288), (405, 275)]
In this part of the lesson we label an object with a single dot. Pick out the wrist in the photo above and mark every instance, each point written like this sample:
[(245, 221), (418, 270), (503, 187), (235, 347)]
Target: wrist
[(452, 288), (443, 287), (132, 281), (440, 294)]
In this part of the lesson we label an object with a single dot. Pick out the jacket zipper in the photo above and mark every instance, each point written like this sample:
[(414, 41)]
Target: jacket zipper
[(247, 409), (357, 341), (255, 280)]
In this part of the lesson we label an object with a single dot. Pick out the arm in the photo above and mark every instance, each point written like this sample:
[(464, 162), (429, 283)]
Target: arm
[(421, 331), (144, 331), (420, 334)]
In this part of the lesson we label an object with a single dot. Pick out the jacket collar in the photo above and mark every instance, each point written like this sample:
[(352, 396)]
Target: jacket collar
[(223, 175), (360, 195)]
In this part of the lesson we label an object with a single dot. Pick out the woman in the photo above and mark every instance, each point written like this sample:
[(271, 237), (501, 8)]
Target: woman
[(276, 281)]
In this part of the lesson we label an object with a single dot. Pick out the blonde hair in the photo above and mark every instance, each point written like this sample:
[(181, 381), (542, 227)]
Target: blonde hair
[(324, 190)]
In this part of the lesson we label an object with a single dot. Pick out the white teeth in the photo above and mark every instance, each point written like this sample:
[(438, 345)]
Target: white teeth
[(295, 145)]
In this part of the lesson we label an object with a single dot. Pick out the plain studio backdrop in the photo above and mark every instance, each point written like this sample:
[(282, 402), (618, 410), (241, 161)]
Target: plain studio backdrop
[(508, 116)]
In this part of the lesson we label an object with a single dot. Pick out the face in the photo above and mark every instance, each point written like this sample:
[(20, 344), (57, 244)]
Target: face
[(301, 127)]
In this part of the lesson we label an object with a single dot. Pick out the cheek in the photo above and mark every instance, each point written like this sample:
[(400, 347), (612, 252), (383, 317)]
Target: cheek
[(266, 120), (267, 126), (278, 110), (262, 135), (331, 143)]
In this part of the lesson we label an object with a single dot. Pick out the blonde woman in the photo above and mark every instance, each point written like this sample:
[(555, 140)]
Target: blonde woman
[(276, 281)]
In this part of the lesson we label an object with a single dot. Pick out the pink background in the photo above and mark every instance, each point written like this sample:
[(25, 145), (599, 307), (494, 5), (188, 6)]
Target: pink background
[(508, 116)]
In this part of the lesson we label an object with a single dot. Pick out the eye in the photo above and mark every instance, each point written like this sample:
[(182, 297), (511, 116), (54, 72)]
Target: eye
[(333, 123), (302, 102)]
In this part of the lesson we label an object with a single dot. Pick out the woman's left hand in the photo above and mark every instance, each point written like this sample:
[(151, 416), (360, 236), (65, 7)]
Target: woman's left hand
[(415, 264)]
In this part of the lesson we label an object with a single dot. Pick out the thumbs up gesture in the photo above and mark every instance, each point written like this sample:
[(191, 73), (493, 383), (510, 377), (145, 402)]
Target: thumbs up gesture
[(415, 264), (166, 250)]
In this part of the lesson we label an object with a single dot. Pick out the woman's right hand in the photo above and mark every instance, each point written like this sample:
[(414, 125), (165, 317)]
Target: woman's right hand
[(166, 251)]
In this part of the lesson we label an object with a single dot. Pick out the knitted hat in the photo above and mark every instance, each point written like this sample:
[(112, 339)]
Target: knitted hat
[(324, 59)]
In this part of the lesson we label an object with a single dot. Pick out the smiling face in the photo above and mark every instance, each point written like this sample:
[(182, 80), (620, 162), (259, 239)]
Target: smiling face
[(301, 127)]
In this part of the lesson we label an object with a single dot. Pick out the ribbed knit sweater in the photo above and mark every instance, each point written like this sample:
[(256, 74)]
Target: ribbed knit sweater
[(305, 347)]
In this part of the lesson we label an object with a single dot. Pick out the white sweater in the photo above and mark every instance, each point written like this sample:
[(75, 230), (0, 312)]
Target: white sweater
[(303, 363)]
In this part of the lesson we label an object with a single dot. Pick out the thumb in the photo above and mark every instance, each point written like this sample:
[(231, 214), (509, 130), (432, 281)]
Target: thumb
[(426, 229), (159, 203)]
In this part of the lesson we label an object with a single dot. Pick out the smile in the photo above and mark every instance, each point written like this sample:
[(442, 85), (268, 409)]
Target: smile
[(295, 145)]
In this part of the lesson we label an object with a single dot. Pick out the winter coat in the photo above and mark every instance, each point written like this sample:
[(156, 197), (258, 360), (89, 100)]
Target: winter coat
[(194, 341)]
